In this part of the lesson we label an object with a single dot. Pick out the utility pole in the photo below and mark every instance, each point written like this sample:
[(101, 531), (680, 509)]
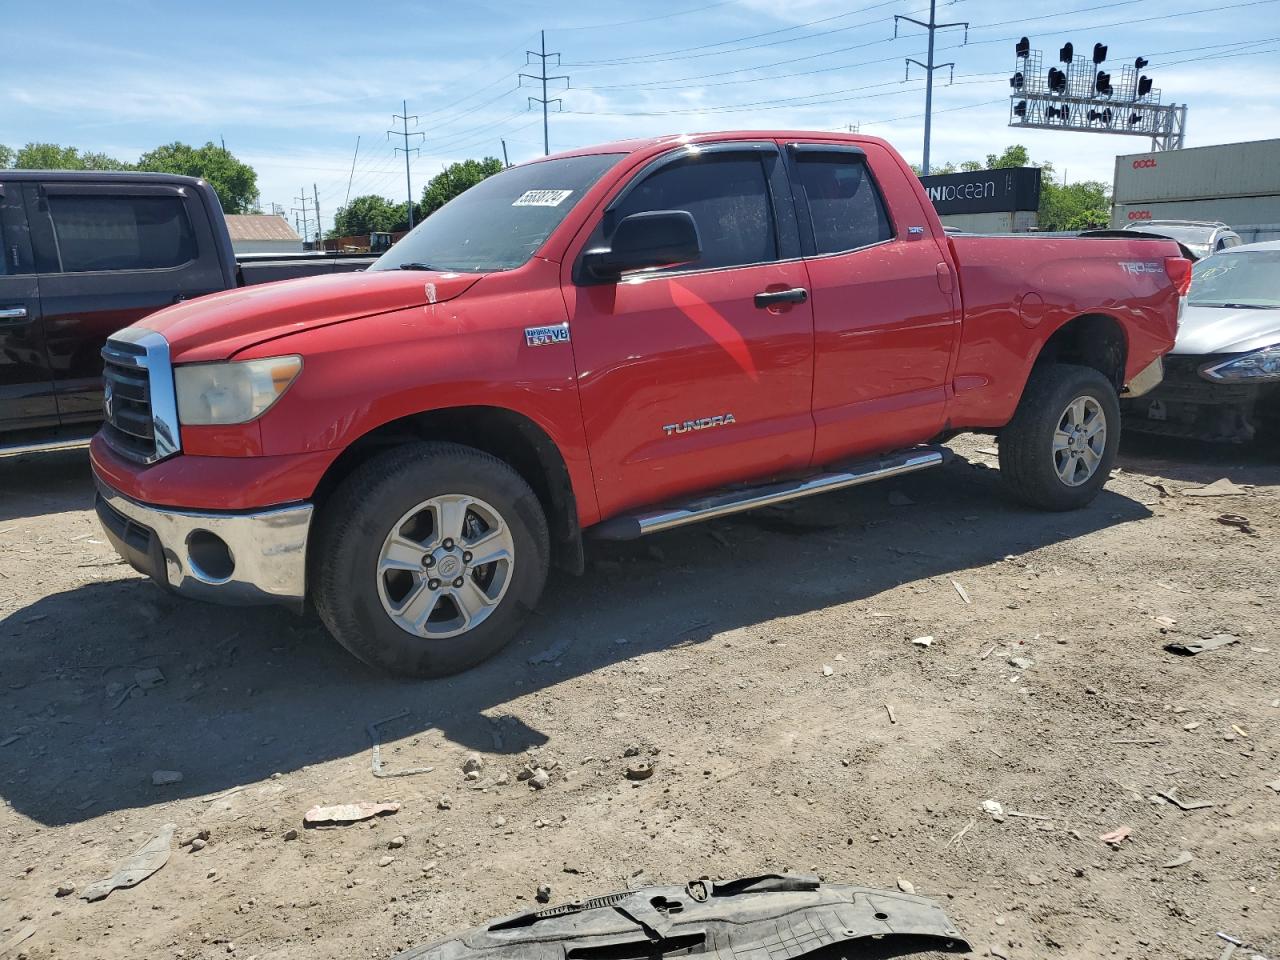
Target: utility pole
[(933, 27), (405, 118), (303, 199), (315, 195), (505, 161), (542, 76), (351, 178)]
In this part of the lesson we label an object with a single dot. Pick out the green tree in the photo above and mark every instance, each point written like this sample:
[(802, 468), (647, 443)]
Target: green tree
[(1014, 156), (54, 156), (1075, 206), (6, 157), (453, 180), (235, 182), (367, 214)]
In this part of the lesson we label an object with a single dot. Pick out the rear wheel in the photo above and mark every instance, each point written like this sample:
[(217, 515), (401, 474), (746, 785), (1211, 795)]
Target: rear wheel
[(1059, 449), (428, 558)]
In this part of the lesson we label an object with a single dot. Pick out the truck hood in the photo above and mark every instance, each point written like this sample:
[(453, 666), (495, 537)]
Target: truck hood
[(220, 325), (1209, 330)]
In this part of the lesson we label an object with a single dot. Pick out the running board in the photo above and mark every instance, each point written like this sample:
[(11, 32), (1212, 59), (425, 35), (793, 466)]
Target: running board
[(633, 525), (43, 446)]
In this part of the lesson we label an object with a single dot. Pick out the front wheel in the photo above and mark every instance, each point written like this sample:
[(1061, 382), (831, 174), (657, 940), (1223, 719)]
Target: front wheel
[(1059, 449), (428, 558)]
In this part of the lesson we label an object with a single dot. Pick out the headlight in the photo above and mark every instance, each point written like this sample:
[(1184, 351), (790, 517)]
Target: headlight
[(233, 391), (1262, 364)]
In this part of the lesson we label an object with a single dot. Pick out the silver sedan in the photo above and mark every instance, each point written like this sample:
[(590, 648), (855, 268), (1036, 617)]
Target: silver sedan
[(1222, 379)]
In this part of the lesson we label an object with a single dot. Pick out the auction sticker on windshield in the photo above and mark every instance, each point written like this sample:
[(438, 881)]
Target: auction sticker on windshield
[(542, 198)]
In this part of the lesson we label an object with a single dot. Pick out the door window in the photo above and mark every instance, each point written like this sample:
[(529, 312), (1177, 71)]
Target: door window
[(121, 232), (845, 208), (728, 197)]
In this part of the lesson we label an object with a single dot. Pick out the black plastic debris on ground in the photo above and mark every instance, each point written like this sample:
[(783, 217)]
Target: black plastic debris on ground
[(771, 917)]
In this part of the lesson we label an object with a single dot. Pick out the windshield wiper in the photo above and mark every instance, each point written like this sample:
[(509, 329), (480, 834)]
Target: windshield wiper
[(417, 265)]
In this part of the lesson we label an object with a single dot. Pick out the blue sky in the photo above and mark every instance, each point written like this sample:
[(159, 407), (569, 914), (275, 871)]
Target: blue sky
[(290, 86)]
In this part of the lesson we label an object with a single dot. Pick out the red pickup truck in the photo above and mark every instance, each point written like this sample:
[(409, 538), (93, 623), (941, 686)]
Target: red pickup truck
[(612, 341)]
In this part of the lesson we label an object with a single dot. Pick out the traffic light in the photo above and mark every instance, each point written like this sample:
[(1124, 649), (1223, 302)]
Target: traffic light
[(1023, 47), (1104, 116), (1139, 63), (1067, 53), (1018, 81), (1099, 53), (1063, 113), (1020, 109), (1102, 84), (1057, 80), (1135, 119), (1144, 86)]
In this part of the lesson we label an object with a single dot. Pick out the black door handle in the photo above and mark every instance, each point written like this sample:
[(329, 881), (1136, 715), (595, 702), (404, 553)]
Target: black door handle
[(773, 298)]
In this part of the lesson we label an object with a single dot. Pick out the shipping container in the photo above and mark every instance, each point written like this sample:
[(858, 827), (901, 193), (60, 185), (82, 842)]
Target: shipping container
[(1235, 183)]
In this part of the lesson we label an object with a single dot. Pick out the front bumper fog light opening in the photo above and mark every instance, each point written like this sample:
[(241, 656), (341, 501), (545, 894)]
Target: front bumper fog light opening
[(209, 557)]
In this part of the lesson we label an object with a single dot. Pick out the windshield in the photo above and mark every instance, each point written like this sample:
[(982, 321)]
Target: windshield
[(1237, 279), (501, 221)]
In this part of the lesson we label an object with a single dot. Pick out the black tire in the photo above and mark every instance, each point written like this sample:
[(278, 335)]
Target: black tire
[(356, 521), (1027, 458)]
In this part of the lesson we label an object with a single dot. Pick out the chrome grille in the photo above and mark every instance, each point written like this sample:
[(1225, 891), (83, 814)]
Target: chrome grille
[(138, 397)]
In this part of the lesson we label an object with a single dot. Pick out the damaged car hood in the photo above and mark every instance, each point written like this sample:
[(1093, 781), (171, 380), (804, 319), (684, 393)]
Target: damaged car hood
[(1210, 330), (773, 917), (218, 326)]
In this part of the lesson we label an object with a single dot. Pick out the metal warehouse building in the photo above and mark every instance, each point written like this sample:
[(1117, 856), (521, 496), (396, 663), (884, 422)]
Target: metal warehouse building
[(1236, 183)]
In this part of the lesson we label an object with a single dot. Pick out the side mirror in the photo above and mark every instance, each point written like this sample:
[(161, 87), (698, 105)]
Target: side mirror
[(657, 238)]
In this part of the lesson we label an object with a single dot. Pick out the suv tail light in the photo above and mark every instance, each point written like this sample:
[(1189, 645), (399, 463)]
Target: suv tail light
[(1179, 271)]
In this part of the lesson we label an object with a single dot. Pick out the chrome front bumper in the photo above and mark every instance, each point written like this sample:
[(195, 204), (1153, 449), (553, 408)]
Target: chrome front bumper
[(231, 558)]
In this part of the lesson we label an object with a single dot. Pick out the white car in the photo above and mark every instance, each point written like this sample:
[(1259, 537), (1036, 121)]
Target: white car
[(1202, 238), (1222, 379)]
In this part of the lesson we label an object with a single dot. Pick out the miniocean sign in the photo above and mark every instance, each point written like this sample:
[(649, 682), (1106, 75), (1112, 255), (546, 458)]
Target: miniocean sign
[(985, 191)]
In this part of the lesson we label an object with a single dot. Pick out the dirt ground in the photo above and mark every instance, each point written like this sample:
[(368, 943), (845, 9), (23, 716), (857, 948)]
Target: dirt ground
[(759, 663)]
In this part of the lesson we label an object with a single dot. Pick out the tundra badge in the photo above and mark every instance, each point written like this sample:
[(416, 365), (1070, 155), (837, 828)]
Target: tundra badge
[(541, 336), (723, 420)]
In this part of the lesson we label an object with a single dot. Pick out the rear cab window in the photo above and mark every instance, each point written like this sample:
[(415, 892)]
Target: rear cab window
[(105, 232), (840, 204)]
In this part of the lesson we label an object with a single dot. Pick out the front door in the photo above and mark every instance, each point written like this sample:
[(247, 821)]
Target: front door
[(26, 383), (688, 379)]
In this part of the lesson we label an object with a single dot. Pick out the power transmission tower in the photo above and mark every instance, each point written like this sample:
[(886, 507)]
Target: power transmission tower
[(542, 76), (405, 118), (933, 27), (305, 228)]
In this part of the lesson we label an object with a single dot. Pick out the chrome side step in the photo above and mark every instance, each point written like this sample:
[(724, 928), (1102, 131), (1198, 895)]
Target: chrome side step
[(633, 525), (44, 446)]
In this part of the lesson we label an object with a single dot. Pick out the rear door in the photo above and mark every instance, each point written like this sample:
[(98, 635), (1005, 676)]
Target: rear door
[(885, 303), (109, 254), (26, 383)]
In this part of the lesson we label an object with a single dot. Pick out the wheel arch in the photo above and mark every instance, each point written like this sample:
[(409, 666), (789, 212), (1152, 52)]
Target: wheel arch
[(501, 432), (1096, 340)]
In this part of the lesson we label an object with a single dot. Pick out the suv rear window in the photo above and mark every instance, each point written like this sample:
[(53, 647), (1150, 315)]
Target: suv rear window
[(121, 232)]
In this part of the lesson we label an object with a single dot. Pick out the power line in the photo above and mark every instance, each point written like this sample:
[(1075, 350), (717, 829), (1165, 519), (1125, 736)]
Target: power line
[(542, 75), (933, 27), (664, 16), (405, 118), (667, 56)]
